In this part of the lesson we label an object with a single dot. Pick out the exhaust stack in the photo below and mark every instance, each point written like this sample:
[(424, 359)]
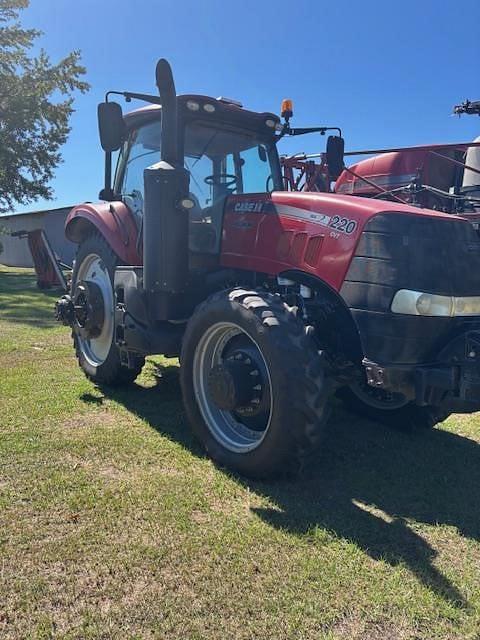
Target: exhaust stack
[(165, 223), (166, 89)]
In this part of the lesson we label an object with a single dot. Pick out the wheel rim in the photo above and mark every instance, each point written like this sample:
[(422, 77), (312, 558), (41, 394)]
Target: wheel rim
[(96, 349), (243, 428), (378, 398)]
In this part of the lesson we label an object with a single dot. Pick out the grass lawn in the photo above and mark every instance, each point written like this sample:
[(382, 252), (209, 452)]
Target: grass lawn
[(114, 525)]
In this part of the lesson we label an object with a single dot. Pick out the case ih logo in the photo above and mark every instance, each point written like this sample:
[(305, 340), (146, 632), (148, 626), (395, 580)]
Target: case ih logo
[(248, 207)]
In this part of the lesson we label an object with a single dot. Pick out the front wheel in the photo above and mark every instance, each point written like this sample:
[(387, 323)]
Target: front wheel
[(253, 383), (93, 325), (391, 409)]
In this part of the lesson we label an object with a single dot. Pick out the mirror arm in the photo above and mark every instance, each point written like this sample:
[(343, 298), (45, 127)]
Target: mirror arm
[(108, 171), (287, 130), (107, 193), (322, 130), (131, 95)]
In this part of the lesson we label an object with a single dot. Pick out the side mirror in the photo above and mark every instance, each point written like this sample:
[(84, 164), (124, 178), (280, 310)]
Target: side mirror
[(335, 151), (111, 126)]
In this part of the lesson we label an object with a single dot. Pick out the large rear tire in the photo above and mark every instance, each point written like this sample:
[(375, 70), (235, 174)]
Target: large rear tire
[(253, 383), (389, 409), (99, 357)]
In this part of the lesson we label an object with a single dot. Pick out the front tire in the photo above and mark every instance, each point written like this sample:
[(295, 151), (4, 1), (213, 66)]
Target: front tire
[(253, 383), (389, 409), (98, 356)]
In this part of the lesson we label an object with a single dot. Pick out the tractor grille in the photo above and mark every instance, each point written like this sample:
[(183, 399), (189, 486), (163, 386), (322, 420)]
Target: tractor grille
[(398, 251)]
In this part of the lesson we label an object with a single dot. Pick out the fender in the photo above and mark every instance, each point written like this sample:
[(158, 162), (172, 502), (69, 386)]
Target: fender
[(113, 220), (345, 324)]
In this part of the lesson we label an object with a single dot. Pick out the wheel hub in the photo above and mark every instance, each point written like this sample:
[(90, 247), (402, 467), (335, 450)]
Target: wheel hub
[(64, 311), (234, 384), (88, 306)]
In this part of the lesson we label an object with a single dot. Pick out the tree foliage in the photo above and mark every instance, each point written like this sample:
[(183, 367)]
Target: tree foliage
[(36, 102)]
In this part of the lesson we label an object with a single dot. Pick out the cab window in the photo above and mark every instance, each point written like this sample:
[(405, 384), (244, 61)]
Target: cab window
[(221, 162), (141, 150), (225, 161)]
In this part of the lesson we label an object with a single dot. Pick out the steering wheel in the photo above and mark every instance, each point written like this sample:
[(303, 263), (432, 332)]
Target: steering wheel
[(223, 179)]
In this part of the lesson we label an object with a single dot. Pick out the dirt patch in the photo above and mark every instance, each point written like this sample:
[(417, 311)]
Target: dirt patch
[(91, 420)]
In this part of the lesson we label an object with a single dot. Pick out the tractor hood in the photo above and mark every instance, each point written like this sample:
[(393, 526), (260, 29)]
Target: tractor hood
[(317, 233), (366, 250)]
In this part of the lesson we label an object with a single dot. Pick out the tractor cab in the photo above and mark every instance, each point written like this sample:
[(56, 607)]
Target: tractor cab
[(225, 149)]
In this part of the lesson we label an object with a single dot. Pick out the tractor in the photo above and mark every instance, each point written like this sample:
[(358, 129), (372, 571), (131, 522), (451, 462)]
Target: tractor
[(274, 301)]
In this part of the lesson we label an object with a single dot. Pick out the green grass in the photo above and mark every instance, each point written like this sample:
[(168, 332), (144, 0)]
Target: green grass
[(114, 525)]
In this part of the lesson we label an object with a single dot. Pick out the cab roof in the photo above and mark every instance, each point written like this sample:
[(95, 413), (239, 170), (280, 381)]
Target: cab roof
[(223, 111)]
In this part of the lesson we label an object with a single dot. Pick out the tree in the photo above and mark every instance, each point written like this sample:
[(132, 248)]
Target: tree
[(36, 102)]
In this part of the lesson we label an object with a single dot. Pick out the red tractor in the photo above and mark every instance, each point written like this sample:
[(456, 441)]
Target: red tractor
[(273, 300)]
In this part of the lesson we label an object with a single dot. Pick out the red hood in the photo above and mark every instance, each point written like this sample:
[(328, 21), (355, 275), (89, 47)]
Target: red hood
[(316, 233), (365, 208)]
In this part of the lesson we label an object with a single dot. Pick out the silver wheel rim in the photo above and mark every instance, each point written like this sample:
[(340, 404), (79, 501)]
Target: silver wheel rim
[(225, 426), (378, 398), (96, 350)]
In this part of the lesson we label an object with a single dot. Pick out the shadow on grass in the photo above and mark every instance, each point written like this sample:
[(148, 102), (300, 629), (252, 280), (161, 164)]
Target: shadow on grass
[(21, 302), (369, 482)]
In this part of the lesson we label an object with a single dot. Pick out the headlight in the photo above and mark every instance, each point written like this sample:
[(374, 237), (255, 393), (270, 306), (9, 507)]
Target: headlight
[(192, 105), (418, 303), (466, 306)]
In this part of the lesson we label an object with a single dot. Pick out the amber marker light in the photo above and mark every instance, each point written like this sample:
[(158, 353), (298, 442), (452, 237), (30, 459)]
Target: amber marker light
[(287, 108)]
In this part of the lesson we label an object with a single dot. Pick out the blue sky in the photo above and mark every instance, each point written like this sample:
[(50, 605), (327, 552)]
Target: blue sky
[(387, 72)]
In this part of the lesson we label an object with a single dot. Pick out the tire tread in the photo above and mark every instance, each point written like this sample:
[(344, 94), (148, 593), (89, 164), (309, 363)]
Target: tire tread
[(310, 387), (110, 373)]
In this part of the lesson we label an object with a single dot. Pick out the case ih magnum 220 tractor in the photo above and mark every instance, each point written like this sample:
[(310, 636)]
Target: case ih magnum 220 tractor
[(273, 300)]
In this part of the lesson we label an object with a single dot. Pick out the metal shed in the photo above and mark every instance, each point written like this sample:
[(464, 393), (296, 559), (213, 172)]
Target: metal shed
[(16, 252)]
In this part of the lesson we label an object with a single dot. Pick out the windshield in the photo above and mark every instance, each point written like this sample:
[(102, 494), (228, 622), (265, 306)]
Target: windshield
[(222, 161)]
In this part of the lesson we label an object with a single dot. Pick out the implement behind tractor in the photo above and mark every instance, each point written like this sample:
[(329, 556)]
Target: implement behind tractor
[(440, 177), (274, 300)]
